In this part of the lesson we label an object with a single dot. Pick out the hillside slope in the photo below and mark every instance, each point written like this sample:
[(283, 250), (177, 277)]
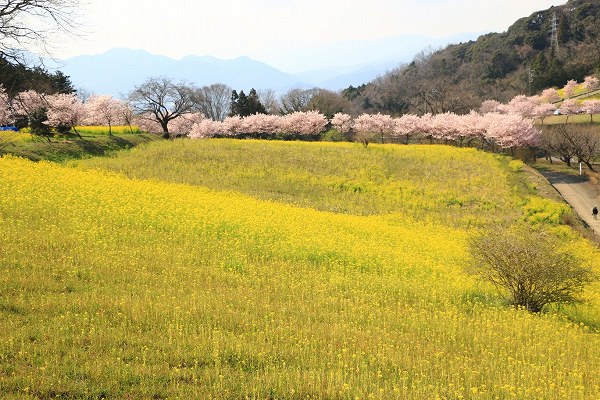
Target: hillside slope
[(495, 66), (119, 287)]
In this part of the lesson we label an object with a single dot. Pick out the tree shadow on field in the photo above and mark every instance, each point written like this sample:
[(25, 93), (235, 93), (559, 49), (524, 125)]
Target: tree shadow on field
[(96, 148)]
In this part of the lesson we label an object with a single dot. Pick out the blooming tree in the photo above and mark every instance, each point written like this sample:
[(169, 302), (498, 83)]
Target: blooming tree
[(473, 126), (407, 126), (147, 123), (232, 125), (6, 115), (33, 107), (544, 110), (591, 83), (490, 106), (509, 131), (591, 107), (65, 112), (569, 88), (342, 122), (364, 128), (262, 124), (305, 123), (523, 105), (104, 110), (569, 107), (446, 126), (182, 126), (206, 128), (28, 102), (550, 95)]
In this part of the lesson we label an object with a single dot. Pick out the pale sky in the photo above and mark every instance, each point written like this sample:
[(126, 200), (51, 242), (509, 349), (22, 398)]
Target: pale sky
[(270, 30)]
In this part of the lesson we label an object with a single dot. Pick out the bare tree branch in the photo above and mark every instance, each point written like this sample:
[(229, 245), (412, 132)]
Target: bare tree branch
[(28, 25)]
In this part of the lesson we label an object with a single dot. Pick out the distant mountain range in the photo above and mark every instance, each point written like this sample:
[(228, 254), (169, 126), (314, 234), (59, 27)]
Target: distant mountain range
[(117, 71)]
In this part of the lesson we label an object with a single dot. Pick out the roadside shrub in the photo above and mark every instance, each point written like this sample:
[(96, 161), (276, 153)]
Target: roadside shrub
[(528, 267)]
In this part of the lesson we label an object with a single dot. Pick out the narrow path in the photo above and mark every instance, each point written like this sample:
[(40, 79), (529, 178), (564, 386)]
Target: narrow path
[(579, 193)]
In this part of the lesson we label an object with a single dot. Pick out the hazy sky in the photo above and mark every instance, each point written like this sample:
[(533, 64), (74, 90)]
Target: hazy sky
[(269, 30)]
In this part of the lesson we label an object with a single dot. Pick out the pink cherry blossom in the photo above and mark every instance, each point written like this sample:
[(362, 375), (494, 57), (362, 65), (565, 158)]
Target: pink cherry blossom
[(591, 83), (569, 88), (342, 122)]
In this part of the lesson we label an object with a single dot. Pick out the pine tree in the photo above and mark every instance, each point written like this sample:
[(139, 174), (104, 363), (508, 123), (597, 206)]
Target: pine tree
[(242, 105), (254, 104), (234, 105)]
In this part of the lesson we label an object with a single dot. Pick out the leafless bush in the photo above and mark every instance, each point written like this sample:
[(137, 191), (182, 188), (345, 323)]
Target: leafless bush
[(529, 267)]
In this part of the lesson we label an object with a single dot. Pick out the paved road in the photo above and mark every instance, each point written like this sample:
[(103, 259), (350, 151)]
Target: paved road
[(579, 193)]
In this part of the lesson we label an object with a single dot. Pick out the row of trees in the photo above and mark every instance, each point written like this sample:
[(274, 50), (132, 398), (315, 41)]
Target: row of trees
[(549, 102), (571, 142), (62, 111), (503, 130), (161, 106)]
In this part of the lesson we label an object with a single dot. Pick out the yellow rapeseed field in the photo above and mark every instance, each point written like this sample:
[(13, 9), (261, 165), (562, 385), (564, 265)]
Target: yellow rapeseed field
[(115, 286), (103, 130)]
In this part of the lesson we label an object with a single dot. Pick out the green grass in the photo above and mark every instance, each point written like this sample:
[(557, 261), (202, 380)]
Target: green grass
[(69, 147), (244, 269), (375, 180), (572, 119)]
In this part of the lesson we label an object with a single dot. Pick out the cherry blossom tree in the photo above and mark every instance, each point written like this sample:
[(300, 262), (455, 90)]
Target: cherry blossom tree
[(544, 110), (511, 130), (182, 126), (407, 126), (569, 88), (591, 107), (550, 95), (474, 126), (65, 112), (342, 122), (262, 125), (490, 106), (28, 102), (569, 107), (426, 126), (33, 107), (6, 115), (523, 105), (446, 126), (591, 83), (364, 128), (232, 125), (147, 123), (104, 110), (206, 128), (304, 123)]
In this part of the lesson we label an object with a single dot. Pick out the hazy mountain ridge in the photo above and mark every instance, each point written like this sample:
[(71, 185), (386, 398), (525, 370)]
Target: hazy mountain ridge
[(117, 71)]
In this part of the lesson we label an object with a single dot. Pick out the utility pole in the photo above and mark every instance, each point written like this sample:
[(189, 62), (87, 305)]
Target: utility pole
[(554, 37), (530, 76)]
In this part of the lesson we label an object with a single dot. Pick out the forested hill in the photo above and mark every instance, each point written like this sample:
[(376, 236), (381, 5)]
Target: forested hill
[(495, 66)]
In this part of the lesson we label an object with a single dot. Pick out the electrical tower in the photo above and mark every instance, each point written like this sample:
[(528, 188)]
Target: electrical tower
[(554, 37)]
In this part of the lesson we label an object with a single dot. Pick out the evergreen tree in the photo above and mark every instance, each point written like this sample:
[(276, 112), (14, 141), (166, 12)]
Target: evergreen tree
[(234, 107), (254, 104), (242, 105), (17, 78)]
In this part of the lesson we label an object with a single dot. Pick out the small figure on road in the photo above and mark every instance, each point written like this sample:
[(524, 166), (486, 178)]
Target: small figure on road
[(595, 212)]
